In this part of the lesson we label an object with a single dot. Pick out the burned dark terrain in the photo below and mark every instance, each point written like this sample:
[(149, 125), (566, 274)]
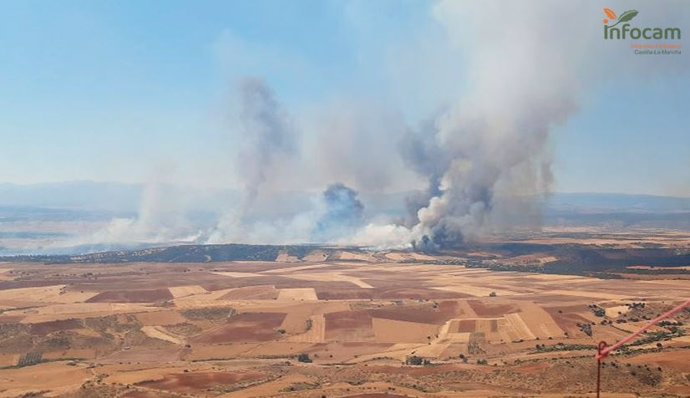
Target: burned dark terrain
[(576, 253)]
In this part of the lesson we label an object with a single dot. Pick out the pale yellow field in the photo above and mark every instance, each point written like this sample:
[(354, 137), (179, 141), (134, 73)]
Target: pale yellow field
[(238, 274), (345, 255), (433, 350), (590, 294), (295, 321), (613, 311), (409, 256), (287, 270), (54, 377), (158, 332), (316, 255), (554, 277), (286, 258), (541, 324), (297, 294), (518, 329), (209, 299), (330, 277), (8, 359), (47, 294), (4, 276), (66, 311), (317, 332), (475, 291), (181, 291)]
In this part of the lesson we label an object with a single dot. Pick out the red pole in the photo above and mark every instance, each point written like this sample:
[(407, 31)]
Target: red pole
[(608, 349), (603, 350), (600, 347)]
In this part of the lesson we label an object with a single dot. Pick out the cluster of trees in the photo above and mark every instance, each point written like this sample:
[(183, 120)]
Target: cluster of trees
[(598, 311), (564, 347), (586, 328), (417, 361), (659, 336)]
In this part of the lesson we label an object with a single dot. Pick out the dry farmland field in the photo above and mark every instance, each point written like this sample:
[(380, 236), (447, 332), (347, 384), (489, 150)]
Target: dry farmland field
[(336, 324)]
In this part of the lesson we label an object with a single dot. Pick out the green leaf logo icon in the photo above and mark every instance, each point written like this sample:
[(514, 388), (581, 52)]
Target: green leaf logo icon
[(627, 16)]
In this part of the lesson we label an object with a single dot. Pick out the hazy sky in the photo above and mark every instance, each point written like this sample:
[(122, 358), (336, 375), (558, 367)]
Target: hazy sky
[(123, 90)]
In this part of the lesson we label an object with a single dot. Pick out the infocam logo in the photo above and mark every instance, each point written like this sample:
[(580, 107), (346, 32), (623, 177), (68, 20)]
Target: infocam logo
[(621, 29)]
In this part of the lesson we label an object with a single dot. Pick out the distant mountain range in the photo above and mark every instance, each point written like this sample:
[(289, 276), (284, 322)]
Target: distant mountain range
[(83, 195), (617, 202), (122, 197)]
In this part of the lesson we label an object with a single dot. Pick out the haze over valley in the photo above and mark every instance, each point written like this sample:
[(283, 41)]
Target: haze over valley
[(344, 199)]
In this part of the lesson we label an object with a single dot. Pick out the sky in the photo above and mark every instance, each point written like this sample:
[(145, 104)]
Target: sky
[(130, 90)]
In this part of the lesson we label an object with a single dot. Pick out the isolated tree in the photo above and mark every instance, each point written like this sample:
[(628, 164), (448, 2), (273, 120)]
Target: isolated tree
[(304, 358)]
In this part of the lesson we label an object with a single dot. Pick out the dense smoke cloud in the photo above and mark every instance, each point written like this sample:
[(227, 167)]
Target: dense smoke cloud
[(343, 214), (527, 67), (499, 132), (484, 159)]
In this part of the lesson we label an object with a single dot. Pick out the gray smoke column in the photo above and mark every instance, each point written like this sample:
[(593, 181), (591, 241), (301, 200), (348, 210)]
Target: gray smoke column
[(343, 214), (421, 153), (266, 136)]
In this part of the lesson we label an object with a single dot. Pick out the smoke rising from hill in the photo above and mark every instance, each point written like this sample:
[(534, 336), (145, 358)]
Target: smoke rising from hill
[(524, 72), (496, 138), (493, 140)]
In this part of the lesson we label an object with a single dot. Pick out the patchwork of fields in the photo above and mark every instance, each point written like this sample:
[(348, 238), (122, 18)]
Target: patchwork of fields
[(237, 329)]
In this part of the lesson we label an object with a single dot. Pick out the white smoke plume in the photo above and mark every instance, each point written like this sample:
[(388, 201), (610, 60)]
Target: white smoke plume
[(521, 86), (525, 68), (163, 217)]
